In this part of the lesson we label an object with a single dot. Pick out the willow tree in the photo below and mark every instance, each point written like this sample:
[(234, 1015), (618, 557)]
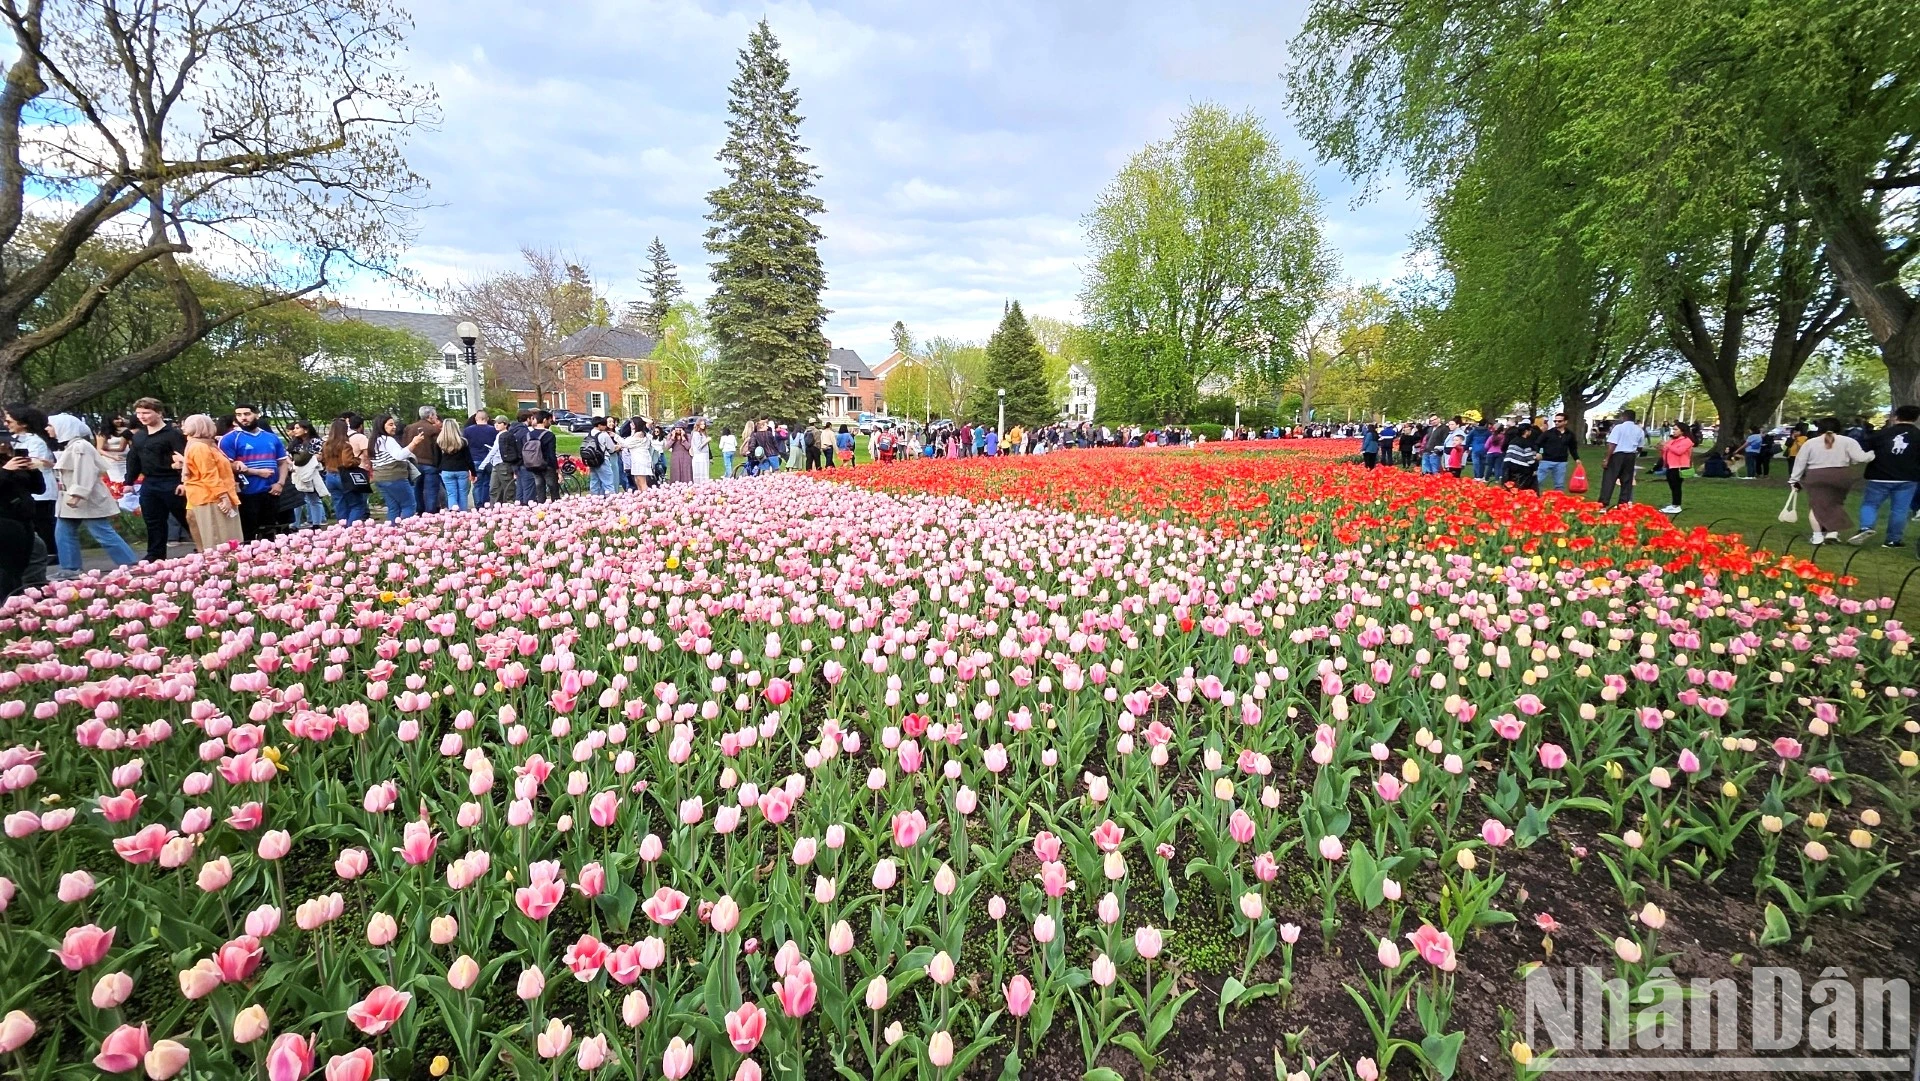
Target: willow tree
[(261, 139), (1208, 259)]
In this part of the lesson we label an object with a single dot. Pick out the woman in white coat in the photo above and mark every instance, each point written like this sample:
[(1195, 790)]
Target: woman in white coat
[(637, 447), (702, 451)]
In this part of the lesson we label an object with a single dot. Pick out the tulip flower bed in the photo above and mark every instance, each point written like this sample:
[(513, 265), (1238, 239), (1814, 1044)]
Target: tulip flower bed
[(786, 778)]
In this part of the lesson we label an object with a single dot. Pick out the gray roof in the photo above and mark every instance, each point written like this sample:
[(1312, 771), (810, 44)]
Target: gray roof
[(614, 343), (849, 361), (436, 329)]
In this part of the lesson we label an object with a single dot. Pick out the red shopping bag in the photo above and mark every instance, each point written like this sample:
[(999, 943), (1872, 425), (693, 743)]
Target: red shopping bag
[(1578, 482)]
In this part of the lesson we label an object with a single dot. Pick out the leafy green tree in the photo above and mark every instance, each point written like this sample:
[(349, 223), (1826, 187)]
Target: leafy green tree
[(1207, 259), (765, 312), (683, 360), (1017, 365), (270, 131), (662, 284)]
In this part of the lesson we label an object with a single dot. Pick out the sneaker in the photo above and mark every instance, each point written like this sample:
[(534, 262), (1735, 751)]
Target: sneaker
[(1860, 537), (1894, 544), (1671, 508), (1819, 538)]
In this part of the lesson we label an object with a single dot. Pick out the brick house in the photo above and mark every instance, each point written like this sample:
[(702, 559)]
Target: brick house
[(597, 371)]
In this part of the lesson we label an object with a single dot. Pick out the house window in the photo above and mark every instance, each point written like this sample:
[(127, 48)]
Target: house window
[(852, 380), (833, 377), (597, 404), (632, 372), (450, 360), (853, 405), (596, 370)]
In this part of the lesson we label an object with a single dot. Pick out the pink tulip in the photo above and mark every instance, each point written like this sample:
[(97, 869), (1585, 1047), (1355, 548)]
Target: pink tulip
[(745, 1027), (907, 828), (165, 1059), (1387, 954), (532, 984), (1495, 832), (201, 980), (665, 905), (537, 900), (634, 1009), (123, 1049), (1019, 994), (1435, 947), (110, 990), (1053, 879), (417, 842), (263, 921), (15, 1030), (1331, 849), (379, 1010), (356, 1065), (290, 1058), (463, 973), (239, 959), (274, 844), (1147, 942), (677, 1060), (84, 947), (1553, 756), (1240, 826), (592, 1054), (604, 809), (142, 847), (74, 886), (725, 916), (119, 808), (586, 957), (350, 864), (796, 991)]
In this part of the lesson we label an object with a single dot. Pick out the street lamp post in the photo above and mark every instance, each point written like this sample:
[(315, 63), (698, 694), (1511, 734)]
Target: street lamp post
[(1001, 430), (468, 335)]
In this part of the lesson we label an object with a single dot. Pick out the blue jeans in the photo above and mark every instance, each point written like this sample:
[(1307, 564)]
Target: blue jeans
[(482, 486), (66, 534), (1898, 492), (726, 463), (528, 487), (313, 511), (455, 483), (1479, 464), (1430, 461), (399, 497), (427, 491), (1553, 475), (348, 505), (604, 479)]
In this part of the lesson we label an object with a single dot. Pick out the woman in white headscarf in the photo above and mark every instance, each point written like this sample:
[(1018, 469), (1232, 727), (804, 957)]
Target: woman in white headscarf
[(84, 498)]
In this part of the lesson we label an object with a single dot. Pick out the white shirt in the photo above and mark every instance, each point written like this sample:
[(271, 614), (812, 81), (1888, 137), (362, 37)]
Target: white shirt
[(1626, 437), (729, 443)]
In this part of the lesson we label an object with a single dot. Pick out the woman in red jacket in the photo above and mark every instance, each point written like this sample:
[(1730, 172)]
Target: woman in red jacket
[(1676, 454)]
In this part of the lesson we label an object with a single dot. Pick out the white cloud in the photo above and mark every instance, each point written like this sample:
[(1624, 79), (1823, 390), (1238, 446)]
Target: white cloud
[(958, 145)]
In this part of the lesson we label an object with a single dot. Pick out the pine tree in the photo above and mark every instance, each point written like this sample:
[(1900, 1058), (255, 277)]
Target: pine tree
[(765, 312), (663, 288), (1016, 364)]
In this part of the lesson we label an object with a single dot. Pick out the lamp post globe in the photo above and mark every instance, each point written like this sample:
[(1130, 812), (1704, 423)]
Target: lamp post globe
[(468, 333)]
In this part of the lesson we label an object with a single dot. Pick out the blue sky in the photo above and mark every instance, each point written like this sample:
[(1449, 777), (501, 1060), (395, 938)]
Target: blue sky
[(958, 144)]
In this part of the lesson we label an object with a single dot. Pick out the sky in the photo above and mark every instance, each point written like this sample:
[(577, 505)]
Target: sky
[(958, 145)]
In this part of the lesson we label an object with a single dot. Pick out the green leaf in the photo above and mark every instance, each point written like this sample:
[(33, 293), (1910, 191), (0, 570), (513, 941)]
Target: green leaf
[(1102, 1073), (1131, 1041), (1443, 1052), (1229, 993), (1777, 930)]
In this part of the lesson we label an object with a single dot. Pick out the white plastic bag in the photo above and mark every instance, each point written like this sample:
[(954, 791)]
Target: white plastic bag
[(130, 499)]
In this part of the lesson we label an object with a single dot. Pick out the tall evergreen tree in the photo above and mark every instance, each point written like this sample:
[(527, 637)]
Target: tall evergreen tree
[(1016, 364), (765, 313), (662, 283)]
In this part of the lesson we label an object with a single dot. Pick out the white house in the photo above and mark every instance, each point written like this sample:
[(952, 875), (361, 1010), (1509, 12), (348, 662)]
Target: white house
[(446, 361), (1080, 393)]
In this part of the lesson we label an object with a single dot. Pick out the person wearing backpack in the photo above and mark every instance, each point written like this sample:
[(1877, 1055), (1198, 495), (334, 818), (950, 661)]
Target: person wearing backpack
[(539, 480), (506, 473), (600, 452)]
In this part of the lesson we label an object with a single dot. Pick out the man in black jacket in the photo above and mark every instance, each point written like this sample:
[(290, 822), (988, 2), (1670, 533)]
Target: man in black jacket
[(1892, 476), (507, 473), (154, 459), (1558, 447)]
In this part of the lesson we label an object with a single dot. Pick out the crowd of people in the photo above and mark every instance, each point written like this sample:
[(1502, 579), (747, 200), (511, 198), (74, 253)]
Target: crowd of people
[(1541, 455)]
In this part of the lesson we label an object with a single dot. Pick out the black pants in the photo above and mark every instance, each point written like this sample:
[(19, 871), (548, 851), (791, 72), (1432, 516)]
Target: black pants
[(158, 503), (1619, 471), (1673, 484), (258, 515), (1372, 458), (43, 524)]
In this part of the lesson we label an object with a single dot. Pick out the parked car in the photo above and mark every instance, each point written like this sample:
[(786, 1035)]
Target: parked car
[(865, 420), (569, 421)]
